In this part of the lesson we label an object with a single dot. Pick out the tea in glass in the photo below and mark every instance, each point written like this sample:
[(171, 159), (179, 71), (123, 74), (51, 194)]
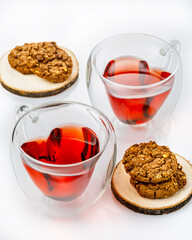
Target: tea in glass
[(132, 71), (71, 144)]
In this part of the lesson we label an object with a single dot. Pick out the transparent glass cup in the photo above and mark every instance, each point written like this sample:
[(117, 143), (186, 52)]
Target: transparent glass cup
[(130, 107), (62, 190)]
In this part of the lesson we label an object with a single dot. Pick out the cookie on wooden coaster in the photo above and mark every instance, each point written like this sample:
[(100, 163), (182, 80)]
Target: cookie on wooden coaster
[(126, 194), (162, 189), (56, 69)]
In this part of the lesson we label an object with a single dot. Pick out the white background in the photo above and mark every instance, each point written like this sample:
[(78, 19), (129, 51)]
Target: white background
[(79, 26)]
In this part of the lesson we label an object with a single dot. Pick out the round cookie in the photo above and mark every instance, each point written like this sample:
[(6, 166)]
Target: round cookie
[(56, 70), (150, 163), (18, 58), (24, 58), (163, 189)]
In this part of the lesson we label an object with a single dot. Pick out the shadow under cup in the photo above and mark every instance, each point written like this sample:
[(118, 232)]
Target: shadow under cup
[(141, 76), (65, 182)]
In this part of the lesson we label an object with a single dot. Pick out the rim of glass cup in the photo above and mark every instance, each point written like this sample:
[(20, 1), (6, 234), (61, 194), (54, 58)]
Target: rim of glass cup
[(127, 86), (99, 113)]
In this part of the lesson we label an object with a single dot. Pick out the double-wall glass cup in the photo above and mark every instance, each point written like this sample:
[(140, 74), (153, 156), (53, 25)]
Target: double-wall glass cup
[(143, 100), (63, 190)]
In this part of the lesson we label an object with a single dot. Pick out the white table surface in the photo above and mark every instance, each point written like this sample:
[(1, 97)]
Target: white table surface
[(80, 25)]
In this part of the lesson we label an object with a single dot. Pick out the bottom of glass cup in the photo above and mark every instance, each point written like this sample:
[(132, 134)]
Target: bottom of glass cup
[(60, 209), (65, 198), (143, 132)]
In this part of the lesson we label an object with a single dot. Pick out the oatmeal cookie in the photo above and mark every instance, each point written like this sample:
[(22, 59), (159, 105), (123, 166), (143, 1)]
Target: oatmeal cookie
[(18, 58), (45, 59), (56, 70), (150, 163), (42, 52), (163, 189)]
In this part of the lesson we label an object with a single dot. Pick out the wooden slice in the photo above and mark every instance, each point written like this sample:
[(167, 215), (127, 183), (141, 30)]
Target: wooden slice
[(30, 85), (126, 194)]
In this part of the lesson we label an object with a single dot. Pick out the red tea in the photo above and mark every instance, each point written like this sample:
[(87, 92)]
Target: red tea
[(65, 145), (135, 72)]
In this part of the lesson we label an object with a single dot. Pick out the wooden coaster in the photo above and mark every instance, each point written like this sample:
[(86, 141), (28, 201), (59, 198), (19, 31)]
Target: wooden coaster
[(30, 85), (126, 194)]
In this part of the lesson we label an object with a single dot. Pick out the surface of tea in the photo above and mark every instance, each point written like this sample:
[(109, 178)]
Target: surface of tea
[(131, 71), (65, 145)]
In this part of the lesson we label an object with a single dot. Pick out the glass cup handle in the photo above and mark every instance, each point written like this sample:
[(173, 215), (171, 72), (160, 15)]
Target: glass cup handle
[(21, 110), (174, 43)]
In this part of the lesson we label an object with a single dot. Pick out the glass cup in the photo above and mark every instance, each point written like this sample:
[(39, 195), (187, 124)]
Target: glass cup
[(62, 189), (136, 106)]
